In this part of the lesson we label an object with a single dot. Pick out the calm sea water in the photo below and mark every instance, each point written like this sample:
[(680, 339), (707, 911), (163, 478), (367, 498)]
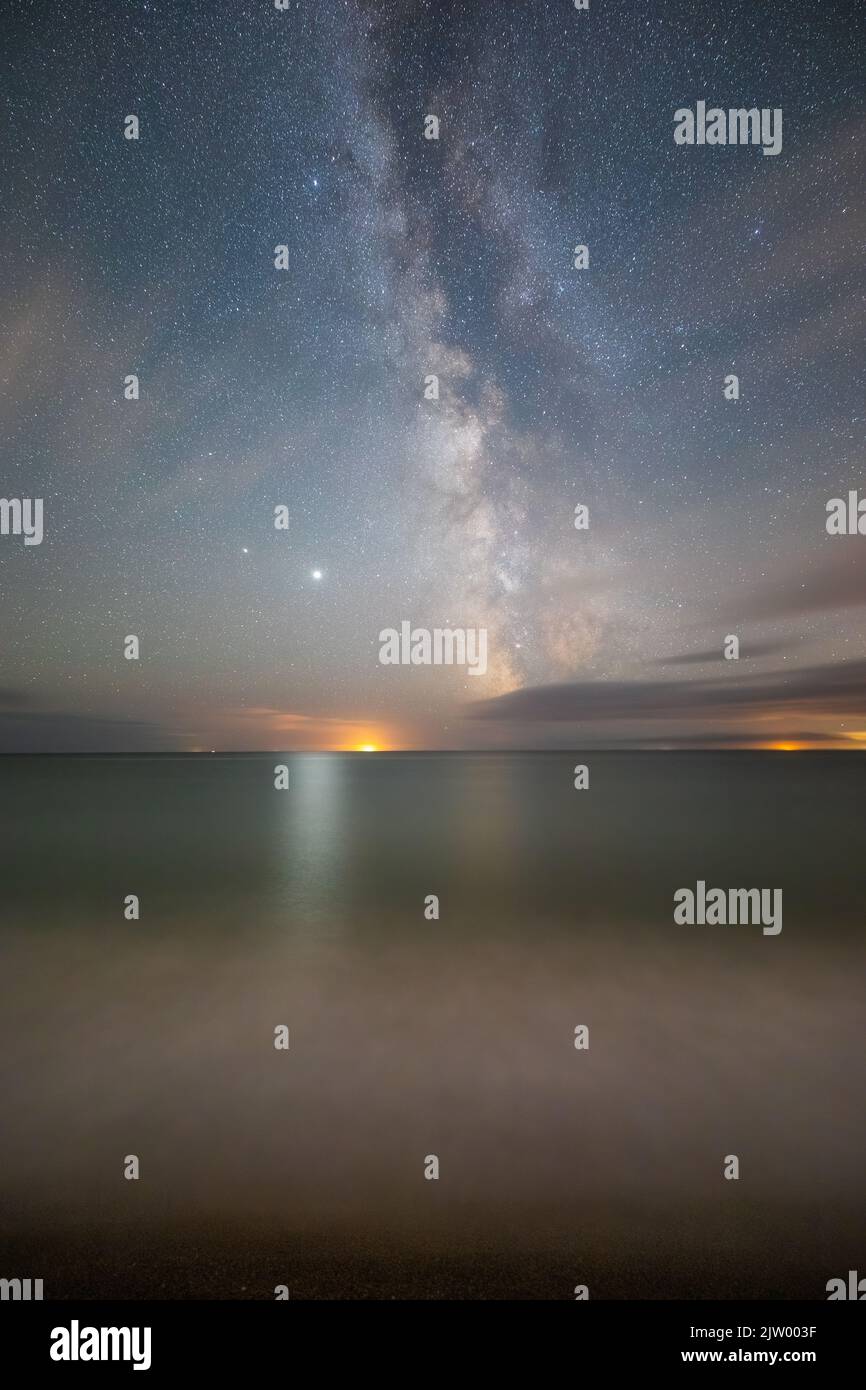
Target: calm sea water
[(412, 1037)]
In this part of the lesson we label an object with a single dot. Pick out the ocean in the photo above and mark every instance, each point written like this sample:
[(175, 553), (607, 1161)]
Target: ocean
[(418, 1033)]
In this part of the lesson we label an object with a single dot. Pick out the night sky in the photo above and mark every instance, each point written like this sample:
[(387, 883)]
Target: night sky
[(408, 256)]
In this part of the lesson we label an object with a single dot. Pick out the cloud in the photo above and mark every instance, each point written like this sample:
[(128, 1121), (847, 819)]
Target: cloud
[(747, 650), (839, 581), (713, 738), (14, 699), (57, 731), (818, 690)]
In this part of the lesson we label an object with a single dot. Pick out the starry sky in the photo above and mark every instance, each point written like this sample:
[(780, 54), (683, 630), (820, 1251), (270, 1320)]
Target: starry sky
[(406, 256)]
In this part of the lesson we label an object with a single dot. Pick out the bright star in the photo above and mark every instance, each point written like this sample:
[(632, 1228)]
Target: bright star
[(317, 574)]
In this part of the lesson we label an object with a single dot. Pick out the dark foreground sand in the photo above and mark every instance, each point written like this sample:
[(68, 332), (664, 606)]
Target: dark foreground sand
[(698, 1257)]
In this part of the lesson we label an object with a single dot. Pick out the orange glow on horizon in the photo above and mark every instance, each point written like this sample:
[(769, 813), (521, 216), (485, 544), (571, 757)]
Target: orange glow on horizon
[(263, 728), (840, 742)]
